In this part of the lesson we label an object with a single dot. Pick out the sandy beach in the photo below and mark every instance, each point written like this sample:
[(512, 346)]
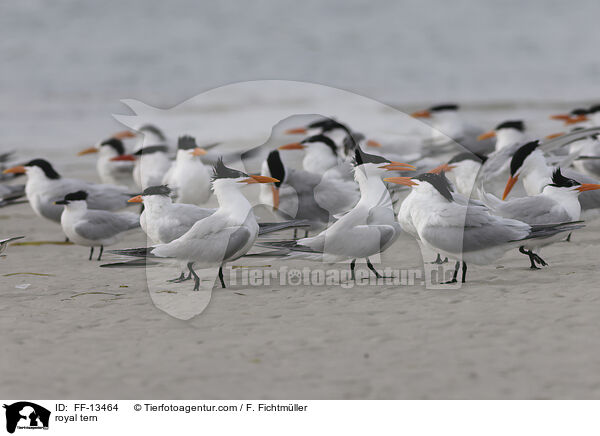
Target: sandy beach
[(73, 330), (80, 331)]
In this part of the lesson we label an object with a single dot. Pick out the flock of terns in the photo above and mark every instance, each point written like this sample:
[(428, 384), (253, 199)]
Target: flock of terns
[(355, 193)]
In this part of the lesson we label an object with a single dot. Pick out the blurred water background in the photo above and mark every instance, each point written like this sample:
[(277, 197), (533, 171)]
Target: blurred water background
[(67, 63)]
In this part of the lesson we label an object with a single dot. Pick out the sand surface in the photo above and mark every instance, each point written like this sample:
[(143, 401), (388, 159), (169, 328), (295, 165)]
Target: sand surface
[(86, 332)]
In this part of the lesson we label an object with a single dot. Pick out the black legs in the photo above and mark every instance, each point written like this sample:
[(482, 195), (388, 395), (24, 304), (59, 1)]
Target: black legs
[(196, 278), (92, 252), (180, 279), (528, 253), (296, 233), (456, 268), (533, 258), (221, 277), (439, 261), (455, 275), (192, 274), (369, 265), (372, 268)]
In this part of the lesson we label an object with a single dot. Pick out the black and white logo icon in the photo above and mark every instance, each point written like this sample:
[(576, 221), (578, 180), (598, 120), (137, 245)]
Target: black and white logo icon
[(26, 415)]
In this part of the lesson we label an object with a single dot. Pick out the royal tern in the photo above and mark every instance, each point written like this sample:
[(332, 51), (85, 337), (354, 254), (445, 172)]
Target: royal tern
[(304, 195), (557, 203), (329, 127), (45, 186), (321, 157), (4, 242), (150, 157), (586, 154), (467, 169), (188, 176), (576, 116), (448, 124), (507, 134), (510, 135), (111, 171), (462, 170), (530, 165), (320, 154), (93, 228), (367, 229), (221, 237), (164, 221), (467, 233)]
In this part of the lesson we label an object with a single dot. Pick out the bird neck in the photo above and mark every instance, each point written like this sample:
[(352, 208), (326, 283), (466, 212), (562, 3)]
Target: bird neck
[(319, 158), (231, 200), (372, 188), (157, 204), (536, 173), (448, 123), (508, 137), (76, 207), (567, 198)]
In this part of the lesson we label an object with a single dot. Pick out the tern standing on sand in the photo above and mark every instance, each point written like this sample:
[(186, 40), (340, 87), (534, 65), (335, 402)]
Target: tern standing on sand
[(223, 236), (188, 176), (557, 203), (110, 171), (367, 229), (45, 186), (93, 228), (465, 232)]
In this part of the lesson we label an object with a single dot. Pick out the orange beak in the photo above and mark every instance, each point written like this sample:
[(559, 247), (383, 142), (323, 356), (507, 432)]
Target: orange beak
[(259, 179), (275, 191), (560, 117), (198, 151), (15, 170), (124, 134), (136, 199), (406, 181), (123, 157), (588, 187), (88, 151), (509, 185), (296, 131), (292, 146), (443, 167), (576, 119), (398, 166), (421, 114), (372, 143), (486, 135), (555, 135)]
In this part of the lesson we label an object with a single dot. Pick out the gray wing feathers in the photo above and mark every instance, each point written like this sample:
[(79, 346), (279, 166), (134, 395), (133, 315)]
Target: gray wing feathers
[(237, 240), (99, 224)]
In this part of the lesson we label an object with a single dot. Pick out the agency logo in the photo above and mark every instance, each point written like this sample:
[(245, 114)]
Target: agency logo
[(26, 415)]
